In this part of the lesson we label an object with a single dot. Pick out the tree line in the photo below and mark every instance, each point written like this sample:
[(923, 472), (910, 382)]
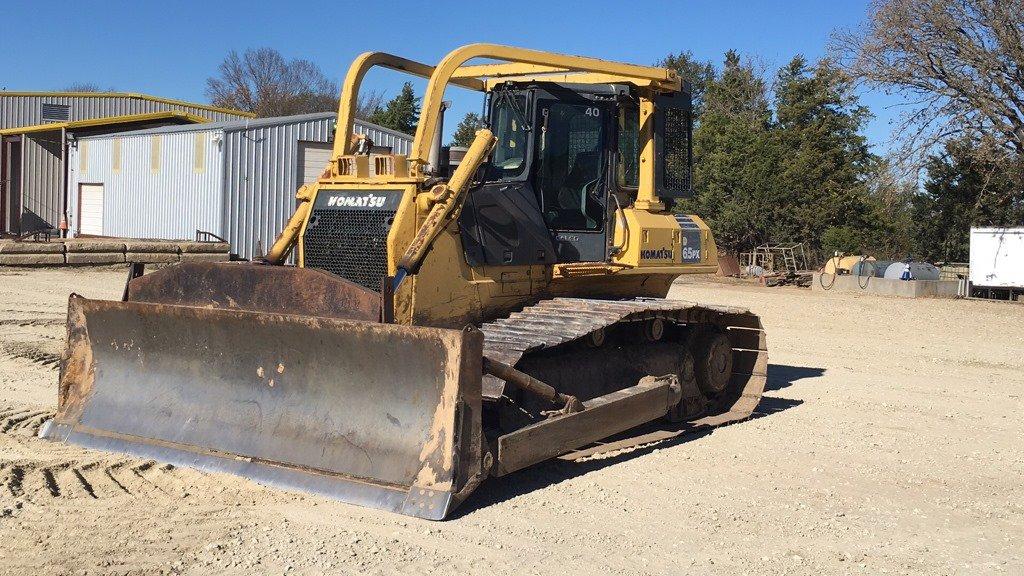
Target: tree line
[(781, 156)]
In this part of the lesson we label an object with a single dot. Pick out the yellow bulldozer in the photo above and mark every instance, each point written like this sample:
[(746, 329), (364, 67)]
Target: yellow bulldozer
[(440, 324)]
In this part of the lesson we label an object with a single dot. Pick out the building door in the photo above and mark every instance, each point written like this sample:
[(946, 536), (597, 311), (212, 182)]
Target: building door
[(10, 186), (313, 159), (90, 209)]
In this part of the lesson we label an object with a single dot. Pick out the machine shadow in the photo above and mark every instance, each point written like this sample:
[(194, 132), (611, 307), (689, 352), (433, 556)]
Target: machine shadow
[(496, 490), (782, 376)]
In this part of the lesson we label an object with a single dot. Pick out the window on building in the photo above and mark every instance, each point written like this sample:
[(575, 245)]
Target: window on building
[(199, 157), (54, 112), (83, 157), (115, 155), (154, 154)]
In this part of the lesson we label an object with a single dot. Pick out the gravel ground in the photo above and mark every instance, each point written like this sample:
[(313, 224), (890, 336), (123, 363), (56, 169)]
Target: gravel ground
[(889, 441)]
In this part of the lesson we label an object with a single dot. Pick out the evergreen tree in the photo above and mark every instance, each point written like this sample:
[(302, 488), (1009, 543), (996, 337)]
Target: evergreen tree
[(732, 162), (963, 190), (697, 73), (801, 174), (401, 113), (890, 195), (465, 132), (821, 181)]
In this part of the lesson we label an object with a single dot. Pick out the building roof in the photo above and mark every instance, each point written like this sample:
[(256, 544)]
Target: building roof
[(230, 125), (136, 95), (233, 125), (107, 121)]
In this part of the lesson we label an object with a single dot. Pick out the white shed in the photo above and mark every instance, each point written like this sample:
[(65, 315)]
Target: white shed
[(997, 259), (234, 179)]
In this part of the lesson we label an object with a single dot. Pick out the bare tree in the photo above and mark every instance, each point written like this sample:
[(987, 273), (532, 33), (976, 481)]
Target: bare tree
[(83, 87), (261, 81), (368, 102), (959, 64)]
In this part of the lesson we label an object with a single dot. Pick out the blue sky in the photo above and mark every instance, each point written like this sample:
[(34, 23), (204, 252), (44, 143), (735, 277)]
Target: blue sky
[(169, 51)]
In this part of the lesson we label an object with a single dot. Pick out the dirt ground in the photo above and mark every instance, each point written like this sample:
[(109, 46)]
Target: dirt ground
[(889, 441)]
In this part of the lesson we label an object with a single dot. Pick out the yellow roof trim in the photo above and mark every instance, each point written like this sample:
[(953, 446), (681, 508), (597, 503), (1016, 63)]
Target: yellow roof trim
[(171, 101), (498, 70), (109, 120), (587, 78)]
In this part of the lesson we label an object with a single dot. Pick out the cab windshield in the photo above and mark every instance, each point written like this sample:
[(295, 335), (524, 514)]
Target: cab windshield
[(508, 113)]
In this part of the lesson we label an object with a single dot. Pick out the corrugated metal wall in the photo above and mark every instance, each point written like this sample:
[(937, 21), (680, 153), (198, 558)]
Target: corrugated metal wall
[(261, 177), (260, 180), (42, 178), (250, 200), (169, 196), (18, 110), (398, 142)]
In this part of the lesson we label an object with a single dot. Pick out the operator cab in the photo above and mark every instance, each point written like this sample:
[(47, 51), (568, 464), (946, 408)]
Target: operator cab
[(566, 157)]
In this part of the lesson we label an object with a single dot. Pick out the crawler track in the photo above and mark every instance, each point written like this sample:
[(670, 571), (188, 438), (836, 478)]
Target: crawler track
[(546, 341)]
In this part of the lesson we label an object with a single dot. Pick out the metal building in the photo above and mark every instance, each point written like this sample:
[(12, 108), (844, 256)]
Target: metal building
[(234, 179), (35, 128)]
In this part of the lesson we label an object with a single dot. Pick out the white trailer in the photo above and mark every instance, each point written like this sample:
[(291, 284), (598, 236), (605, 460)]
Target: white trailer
[(997, 263)]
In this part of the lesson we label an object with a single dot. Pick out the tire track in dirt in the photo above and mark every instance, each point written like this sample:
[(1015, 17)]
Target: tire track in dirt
[(32, 352), (61, 473), (38, 471), (45, 314), (26, 322), (23, 421)]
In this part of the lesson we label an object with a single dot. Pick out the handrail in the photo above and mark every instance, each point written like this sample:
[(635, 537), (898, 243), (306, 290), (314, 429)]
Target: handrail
[(453, 70), (201, 234), (444, 71), (354, 79)]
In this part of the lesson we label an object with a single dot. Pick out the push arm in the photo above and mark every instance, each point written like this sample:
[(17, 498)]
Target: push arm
[(448, 199)]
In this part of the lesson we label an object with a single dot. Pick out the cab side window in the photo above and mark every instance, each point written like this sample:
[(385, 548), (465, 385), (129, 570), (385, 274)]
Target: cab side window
[(627, 169)]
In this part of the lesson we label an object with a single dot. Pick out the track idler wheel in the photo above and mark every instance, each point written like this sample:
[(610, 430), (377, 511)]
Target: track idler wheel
[(691, 404), (595, 339), (653, 329), (713, 363)]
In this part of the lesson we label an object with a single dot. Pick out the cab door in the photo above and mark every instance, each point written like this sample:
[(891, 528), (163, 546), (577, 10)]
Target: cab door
[(570, 176)]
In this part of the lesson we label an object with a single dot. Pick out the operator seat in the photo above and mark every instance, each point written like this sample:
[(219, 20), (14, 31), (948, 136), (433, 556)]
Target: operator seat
[(577, 208)]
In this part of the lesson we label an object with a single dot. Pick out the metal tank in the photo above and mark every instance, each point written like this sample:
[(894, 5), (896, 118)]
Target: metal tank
[(872, 268), (918, 271)]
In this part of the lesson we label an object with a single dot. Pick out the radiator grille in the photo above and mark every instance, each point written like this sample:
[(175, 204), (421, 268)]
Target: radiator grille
[(676, 166), (350, 243)]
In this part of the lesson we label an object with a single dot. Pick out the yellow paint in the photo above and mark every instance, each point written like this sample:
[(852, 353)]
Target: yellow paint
[(447, 291), (108, 121), (647, 239), (844, 263)]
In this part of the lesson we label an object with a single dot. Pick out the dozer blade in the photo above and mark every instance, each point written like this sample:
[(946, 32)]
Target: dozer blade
[(373, 414)]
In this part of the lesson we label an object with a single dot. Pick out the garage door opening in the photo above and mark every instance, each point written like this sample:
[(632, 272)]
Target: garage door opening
[(313, 159)]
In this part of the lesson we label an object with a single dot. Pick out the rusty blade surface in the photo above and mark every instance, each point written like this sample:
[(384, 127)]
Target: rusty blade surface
[(259, 288), (373, 414)]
